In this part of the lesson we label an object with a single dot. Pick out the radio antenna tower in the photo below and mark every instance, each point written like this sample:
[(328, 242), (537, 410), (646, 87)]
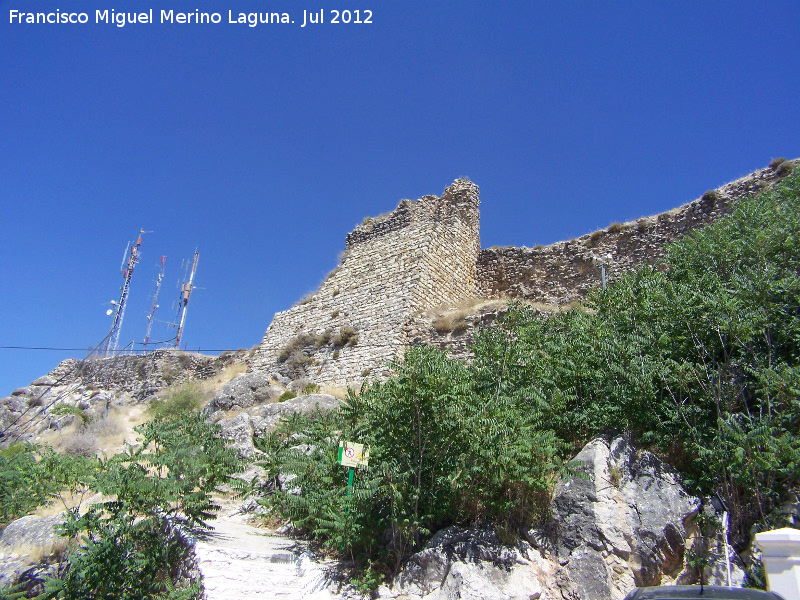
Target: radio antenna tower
[(127, 274), (155, 303), (186, 291)]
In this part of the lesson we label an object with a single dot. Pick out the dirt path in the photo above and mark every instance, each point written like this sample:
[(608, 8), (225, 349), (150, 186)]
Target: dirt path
[(239, 561)]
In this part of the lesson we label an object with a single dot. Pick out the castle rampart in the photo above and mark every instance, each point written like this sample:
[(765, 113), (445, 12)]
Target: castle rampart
[(565, 271), (426, 254), (420, 255)]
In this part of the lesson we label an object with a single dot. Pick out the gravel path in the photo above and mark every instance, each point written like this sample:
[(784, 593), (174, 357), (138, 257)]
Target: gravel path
[(239, 561)]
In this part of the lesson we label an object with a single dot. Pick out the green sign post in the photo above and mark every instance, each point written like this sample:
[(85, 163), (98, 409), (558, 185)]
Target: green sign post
[(352, 455)]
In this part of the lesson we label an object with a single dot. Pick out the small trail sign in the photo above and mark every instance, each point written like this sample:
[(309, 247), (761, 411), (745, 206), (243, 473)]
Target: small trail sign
[(353, 455)]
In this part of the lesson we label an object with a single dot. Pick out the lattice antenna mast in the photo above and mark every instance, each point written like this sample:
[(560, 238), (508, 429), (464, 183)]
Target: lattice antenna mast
[(127, 273), (186, 291), (155, 303)]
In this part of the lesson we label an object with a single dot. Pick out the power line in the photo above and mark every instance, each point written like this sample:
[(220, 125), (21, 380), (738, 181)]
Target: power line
[(118, 351)]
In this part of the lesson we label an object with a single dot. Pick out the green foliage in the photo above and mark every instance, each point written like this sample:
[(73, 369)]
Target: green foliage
[(287, 395), (439, 453), (13, 592), (310, 388), (62, 408), (185, 400), (124, 547), (699, 358), (31, 476)]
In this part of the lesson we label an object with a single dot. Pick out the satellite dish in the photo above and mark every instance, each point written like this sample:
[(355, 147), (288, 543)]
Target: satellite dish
[(109, 312), (113, 303)]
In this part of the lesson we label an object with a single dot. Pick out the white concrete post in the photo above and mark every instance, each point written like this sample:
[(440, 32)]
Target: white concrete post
[(781, 557)]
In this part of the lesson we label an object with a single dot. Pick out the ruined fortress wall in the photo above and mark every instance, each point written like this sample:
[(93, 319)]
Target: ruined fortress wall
[(450, 243), (426, 254), (421, 254), (565, 271)]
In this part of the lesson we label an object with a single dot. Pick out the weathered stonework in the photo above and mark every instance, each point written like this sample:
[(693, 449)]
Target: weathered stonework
[(426, 254), (565, 271), (422, 254)]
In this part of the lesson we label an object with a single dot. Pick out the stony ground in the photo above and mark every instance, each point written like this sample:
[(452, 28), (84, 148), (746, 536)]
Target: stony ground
[(238, 560)]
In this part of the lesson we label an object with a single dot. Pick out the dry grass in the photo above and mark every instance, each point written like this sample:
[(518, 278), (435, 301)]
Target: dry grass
[(346, 336), (80, 443), (776, 162), (216, 383), (594, 238), (332, 390), (451, 322), (785, 168), (373, 220), (615, 228)]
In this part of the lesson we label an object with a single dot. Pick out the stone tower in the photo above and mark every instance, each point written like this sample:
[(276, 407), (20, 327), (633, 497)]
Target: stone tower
[(421, 255)]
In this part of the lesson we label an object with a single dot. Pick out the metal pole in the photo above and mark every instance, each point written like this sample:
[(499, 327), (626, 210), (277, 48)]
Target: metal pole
[(186, 291), (155, 304), (127, 273), (725, 527), (603, 273)]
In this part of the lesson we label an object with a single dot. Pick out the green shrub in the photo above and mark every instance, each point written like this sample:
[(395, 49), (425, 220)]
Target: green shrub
[(428, 434), (63, 408), (177, 404), (124, 548), (287, 395), (310, 388), (32, 476)]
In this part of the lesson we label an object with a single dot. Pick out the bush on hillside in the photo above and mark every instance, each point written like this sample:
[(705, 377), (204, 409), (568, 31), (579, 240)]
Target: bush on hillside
[(178, 403)]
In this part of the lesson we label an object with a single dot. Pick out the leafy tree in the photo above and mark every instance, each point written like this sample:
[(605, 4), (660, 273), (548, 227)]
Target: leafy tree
[(126, 547)]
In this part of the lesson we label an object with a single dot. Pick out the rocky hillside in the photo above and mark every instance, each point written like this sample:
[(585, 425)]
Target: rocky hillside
[(92, 387)]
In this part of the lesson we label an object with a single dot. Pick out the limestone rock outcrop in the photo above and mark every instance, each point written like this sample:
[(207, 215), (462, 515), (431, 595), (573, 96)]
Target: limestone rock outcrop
[(95, 385), (471, 564), (254, 421), (625, 522), (244, 391), (30, 548)]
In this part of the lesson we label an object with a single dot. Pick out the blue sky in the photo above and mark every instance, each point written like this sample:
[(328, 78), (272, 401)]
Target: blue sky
[(262, 147)]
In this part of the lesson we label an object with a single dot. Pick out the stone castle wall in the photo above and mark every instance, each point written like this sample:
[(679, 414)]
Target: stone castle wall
[(426, 254), (565, 271), (422, 254)]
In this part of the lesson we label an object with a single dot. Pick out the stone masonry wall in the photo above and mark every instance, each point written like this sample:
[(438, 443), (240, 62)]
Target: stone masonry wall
[(422, 254), (426, 254), (565, 271)]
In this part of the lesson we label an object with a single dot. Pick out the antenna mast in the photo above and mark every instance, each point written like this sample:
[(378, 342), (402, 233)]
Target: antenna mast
[(186, 291), (127, 274), (155, 303)]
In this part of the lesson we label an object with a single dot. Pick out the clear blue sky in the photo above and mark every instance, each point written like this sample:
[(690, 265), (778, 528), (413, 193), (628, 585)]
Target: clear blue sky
[(262, 147)]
